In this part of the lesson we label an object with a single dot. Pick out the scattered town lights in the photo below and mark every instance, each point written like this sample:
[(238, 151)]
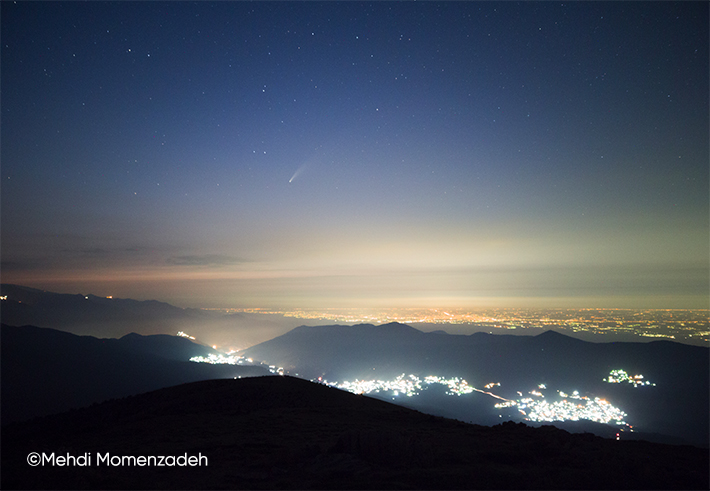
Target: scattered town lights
[(620, 376), (573, 407), (217, 359), (580, 408)]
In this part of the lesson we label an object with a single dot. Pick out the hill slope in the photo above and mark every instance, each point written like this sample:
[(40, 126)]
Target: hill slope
[(46, 371), (677, 406), (287, 433)]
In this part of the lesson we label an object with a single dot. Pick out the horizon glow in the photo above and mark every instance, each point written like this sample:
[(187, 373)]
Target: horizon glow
[(442, 155)]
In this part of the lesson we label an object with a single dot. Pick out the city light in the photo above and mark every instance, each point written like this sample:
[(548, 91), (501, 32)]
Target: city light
[(534, 407), (408, 385), (232, 359), (218, 359), (574, 408), (680, 325), (620, 376)]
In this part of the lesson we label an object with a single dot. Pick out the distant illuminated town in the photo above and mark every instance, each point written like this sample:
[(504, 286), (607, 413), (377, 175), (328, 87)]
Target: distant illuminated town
[(231, 359), (408, 386), (620, 376), (679, 325), (535, 407)]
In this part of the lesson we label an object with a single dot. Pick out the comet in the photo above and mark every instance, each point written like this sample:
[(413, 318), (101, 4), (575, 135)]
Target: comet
[(295, 174)]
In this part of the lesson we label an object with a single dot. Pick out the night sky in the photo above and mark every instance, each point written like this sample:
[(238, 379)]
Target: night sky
[(331, 154)]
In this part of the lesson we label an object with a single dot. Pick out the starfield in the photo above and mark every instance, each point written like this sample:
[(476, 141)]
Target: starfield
[(355, 245)]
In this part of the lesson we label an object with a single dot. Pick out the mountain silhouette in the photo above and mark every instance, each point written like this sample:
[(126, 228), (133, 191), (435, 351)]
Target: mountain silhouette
[(288, 433), (677, 406), (45, 371), (91, 315)]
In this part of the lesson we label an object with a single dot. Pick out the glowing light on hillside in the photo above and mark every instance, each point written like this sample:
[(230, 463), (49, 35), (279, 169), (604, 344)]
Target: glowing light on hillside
[(535, 407), (620, 376)]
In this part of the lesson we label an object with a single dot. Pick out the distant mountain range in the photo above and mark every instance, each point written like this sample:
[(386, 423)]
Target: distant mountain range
[(287, 433), (677, 406), (271, 435), (87, 314), (46, 371)]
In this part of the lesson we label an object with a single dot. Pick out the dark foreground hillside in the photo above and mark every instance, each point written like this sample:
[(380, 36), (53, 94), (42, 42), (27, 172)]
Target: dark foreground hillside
[(675, 409), (46, 371), (287, 433)]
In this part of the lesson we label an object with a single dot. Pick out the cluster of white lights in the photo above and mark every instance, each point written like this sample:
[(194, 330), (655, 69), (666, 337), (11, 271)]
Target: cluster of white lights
[(597, 410), (572, 407), (455, 385), (620, 376), (407, 385), (220, 359), (656, 335), (534, 407), (231, 359), (276, 370)]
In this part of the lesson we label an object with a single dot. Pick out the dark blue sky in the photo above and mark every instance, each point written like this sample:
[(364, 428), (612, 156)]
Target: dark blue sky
[(358, 154)]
